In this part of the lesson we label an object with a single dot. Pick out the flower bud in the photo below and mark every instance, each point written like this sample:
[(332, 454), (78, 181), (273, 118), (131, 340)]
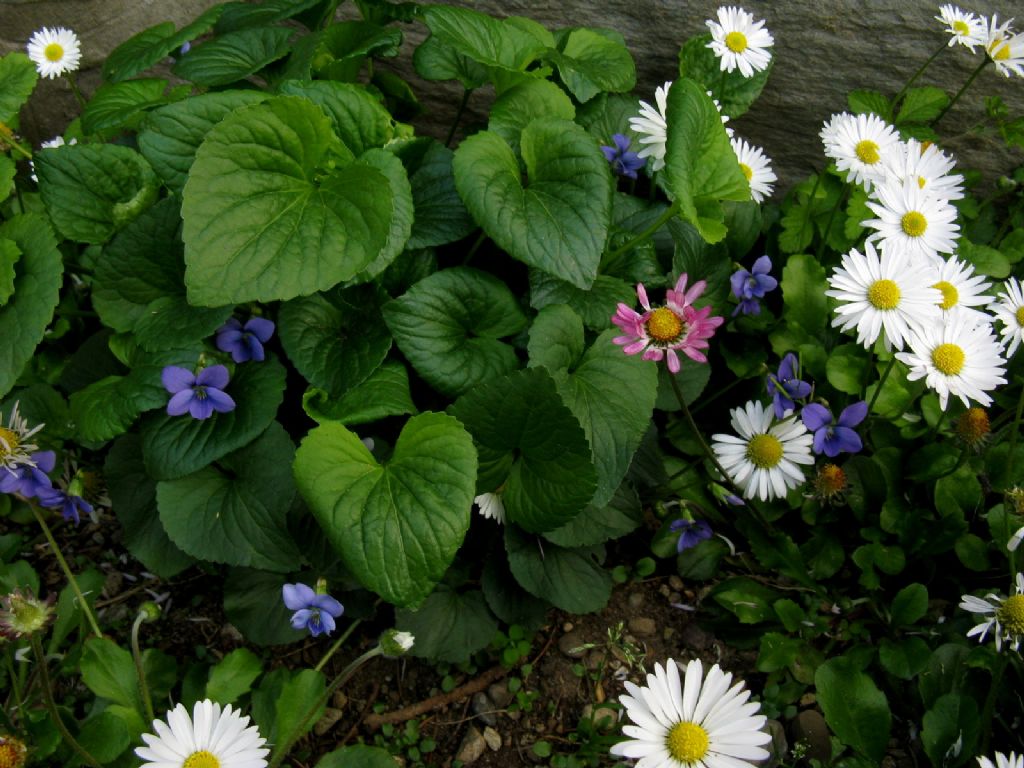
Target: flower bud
[(150, 611), (23, 614), (394, 643)]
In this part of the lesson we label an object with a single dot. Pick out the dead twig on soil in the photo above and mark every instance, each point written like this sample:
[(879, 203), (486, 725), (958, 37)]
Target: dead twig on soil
[(436, 702)]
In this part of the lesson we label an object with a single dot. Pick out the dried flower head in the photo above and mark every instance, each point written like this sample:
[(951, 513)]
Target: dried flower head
[(973, 428), (12, 752), (24, 614)]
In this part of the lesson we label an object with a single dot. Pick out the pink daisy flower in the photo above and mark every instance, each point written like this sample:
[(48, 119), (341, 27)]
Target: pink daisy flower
[(662, 331)]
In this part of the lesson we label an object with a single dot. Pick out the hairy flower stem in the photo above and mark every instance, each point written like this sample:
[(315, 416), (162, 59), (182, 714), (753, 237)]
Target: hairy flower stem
[(913, 77), (137, 655), (305, 723), (962, 90), (466, 92), (82, 602), (336, 645), (51, 705), (667, 216), (881, 383), (73, 82), (13, 676)]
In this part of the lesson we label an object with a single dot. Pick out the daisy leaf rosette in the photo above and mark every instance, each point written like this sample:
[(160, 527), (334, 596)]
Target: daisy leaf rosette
[(397, 526), (38, 274), (700, 165), (558, 222), (531, 444), (270, 185)]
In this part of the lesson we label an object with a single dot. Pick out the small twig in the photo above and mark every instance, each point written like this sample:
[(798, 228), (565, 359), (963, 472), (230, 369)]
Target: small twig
[(436, 702)]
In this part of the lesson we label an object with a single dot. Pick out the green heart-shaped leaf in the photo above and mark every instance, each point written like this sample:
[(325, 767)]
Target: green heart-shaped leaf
[(233, 56), (272, 186), (559, 221), (531, 447), (396, 526)]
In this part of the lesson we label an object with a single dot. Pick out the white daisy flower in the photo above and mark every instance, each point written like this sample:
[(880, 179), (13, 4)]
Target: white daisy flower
[(211, 738), (54, 51), (964, 28), (860, 144), (1005, 48), (1014, 541), (652, 128), (1004, 615), (1009, 310), (15, 448), (491, 506), (962, 291), (1003, 761), (891, 296), (696, 722), (912, 221), (927, 166), (756, 167), (762, 460), (956, 358), (740, 42)]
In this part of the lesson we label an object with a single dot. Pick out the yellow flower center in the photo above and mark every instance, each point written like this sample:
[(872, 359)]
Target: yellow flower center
[(765, 451), (54, 52), (867, 151), (1020, 316), (1010, 615), (736, 42), (914, 223), (1002, 54), (201, 759), (687, 742), (920, 182), (961, 28), (973, 427), (830, 481), (948, 358), (12, 752), (664, 325), (884, 294), (950, 295), (8, 442), (747, 171)]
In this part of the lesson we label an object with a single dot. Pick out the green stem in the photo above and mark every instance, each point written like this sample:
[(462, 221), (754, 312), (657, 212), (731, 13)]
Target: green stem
[(962, 90), (73, 82), (458, 115), (881, 383), (474, 248), (716, 394), (8, 138), (665, 217), (67, 570), (913, 78), (1014, 430), (938, 426), (15, 684), (51, 705), (305, 723), (137, 655), (831, 218), (337, 644), (328, 16)]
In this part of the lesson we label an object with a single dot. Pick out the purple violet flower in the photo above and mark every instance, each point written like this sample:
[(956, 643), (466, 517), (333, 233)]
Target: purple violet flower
[(313, 611), (785, 386), (245, 342), (27, 480), (691, 533), (834, 439), (198, 395), (750, 286), (623, 162), (71, 507)]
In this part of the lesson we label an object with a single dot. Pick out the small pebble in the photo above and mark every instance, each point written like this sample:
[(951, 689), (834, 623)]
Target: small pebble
[(499, 694), (493, 739), (472, 747), (568, 626), (810, 727), (635, 600), (643, 626), (571, 644), (484, 708), (675, 583), (328, 721), (696, 638)]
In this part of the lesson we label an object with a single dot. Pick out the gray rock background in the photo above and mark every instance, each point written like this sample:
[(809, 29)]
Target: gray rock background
[(822, 50)]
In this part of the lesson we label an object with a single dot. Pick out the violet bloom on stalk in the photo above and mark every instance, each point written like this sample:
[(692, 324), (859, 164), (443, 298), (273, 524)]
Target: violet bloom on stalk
[(623, 162), (750, 286), (71, 507), (245, 342), (29, 480), (199, 395), (313, 610), (662, 331), (833, 439), (785, 386), (691, 533)]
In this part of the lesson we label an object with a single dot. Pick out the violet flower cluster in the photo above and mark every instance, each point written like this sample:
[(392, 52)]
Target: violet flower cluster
[(749, 287), (623, 162), (32, 481), (314, 610)]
